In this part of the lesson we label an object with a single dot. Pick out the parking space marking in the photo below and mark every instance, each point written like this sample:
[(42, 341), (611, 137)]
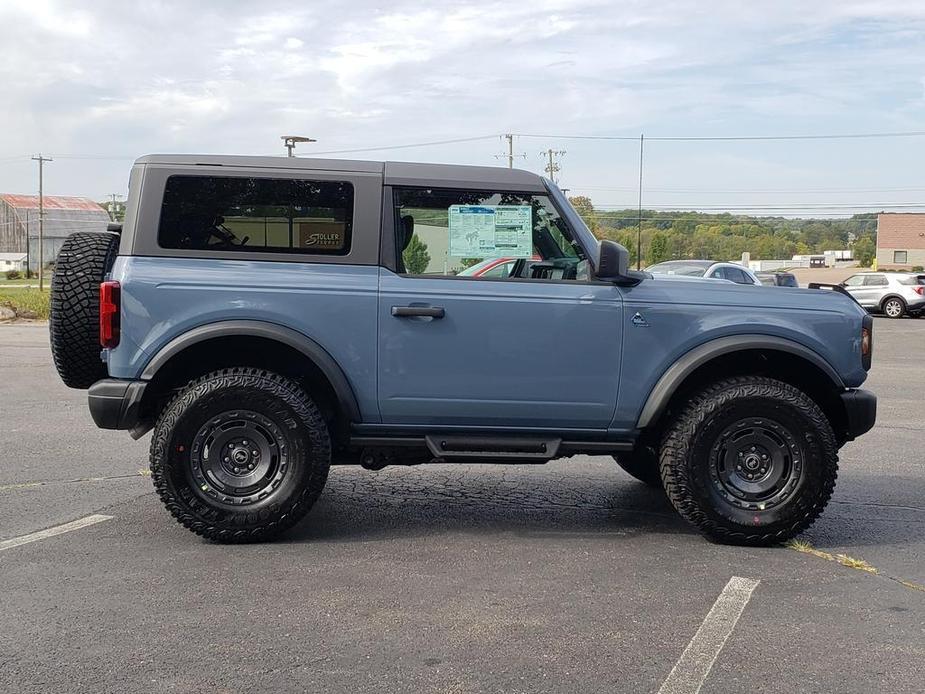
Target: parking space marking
[(695, 663), (51, 532)]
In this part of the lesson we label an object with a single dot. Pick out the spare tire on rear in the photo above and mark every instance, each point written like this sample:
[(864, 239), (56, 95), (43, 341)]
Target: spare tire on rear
[(74, 322)]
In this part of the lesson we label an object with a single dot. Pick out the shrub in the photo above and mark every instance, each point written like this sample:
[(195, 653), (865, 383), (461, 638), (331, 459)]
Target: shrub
[(26, 302), (918, 268), (13, 275)]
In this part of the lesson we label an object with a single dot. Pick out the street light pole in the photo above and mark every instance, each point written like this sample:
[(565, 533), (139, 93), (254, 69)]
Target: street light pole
[(291, 140), (41, 160)]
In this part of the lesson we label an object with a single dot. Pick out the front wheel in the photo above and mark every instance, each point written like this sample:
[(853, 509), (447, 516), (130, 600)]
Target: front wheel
[(240, 455), (750, 460)]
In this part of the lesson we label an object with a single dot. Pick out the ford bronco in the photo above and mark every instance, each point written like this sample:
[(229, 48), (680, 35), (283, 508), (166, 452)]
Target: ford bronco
[(269, 317)]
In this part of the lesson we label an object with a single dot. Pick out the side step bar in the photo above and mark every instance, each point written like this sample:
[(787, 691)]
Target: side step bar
[(500, 449), (493, 447)]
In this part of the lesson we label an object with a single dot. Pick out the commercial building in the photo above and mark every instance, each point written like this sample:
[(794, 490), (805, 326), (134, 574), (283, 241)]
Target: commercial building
[(900, 240), (19, 223)]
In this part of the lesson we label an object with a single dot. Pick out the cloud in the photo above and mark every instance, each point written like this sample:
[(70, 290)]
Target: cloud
[(117, 78)]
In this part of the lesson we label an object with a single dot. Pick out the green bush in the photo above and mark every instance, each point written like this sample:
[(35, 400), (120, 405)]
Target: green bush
[(13, 275), (918, 268)]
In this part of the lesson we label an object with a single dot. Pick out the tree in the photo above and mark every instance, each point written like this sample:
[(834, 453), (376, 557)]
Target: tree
[(864, 251), (415, 256), (115, 210), (585, 209), (658, 248)]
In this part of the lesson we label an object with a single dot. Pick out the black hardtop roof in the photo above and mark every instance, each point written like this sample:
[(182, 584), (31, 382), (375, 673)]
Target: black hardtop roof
[(394, 172)]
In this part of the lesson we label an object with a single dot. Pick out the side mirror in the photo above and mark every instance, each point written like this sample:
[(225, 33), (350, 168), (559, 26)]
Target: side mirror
[(613, 262)]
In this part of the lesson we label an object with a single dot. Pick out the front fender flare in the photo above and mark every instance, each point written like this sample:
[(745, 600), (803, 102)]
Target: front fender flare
[(272, 331), (675, 375)]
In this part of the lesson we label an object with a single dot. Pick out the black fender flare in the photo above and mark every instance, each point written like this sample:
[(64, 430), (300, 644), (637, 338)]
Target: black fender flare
[(272, 331), (675, 375)]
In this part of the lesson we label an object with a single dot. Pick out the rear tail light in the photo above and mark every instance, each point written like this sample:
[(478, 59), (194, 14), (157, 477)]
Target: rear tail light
[(919, 289), (867, 342), (109, 314)]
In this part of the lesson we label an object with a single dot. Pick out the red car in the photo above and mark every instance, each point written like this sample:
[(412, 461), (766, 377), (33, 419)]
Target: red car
[(492, 267)]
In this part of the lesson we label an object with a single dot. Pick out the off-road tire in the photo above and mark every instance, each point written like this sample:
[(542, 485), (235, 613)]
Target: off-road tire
[(282, 407), (74, 320), (688, 466), (900, 307), (641, 464)]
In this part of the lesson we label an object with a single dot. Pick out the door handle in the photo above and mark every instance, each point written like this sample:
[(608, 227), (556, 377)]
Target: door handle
[(426, 311)]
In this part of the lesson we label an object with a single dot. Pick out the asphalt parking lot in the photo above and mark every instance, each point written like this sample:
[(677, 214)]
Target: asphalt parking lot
[(566, 577)]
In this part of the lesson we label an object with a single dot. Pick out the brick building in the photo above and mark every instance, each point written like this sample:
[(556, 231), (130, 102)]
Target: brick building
[(900, 240)]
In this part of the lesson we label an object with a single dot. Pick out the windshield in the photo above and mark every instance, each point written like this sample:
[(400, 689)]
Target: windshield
[(583, 235), (689, 268)]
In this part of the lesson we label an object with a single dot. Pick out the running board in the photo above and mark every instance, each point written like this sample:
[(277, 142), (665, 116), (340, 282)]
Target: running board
[(495, 447), (488, 448)]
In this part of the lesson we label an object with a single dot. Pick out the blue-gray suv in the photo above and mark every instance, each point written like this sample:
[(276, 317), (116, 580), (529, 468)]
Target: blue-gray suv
[(270, 317)]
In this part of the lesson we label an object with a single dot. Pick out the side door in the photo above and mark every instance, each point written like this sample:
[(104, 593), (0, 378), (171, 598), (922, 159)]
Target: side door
[(539, 349), (854, 285), (875, 288)]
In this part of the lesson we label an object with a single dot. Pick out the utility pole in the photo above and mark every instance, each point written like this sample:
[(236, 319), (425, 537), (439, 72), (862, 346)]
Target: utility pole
[(112, 207), (28, 264), (41, 160), (510, 151), (639, 227), (553, 165)]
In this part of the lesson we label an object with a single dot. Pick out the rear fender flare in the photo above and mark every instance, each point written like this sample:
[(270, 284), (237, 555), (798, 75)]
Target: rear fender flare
[(272, 331)]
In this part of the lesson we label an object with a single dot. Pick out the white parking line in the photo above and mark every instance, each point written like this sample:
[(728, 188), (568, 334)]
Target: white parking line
[(691, 670), (51, 532)]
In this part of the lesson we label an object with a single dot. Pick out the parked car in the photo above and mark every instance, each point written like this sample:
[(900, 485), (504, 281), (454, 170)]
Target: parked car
[(895, 294), (705, 268), (492, 267), (257, 314), (777, 279)]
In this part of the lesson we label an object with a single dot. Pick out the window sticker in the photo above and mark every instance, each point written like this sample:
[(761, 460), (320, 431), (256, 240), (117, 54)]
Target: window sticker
[(491, 231)]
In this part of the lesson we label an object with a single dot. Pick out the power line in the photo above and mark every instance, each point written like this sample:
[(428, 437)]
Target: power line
[(406, 146), (811, 206), (769, 191), (732, 138)]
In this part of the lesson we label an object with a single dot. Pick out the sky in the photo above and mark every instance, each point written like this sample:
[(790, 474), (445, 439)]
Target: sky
[(98, 83)]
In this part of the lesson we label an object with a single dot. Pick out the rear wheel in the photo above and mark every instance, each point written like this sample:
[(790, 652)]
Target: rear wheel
[(750, 460), (240, 455), (74, 320), (894, 307)]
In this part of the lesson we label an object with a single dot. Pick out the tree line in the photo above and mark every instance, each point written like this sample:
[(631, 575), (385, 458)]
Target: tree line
[(675, 235)]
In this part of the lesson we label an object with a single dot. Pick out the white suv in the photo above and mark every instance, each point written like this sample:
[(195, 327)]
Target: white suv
[(705, 268), (894, 293)]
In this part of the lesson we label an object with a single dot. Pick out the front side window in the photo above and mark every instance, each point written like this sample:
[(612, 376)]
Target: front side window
[(224, 213), (900, 257), (451, 232), (724, 272), (854, 281)]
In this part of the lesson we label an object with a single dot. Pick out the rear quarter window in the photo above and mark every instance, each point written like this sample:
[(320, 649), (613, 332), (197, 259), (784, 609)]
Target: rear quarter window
[(223, 213)]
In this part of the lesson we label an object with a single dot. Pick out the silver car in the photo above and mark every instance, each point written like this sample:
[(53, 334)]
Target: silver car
[(705, 268), (896, 294)]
